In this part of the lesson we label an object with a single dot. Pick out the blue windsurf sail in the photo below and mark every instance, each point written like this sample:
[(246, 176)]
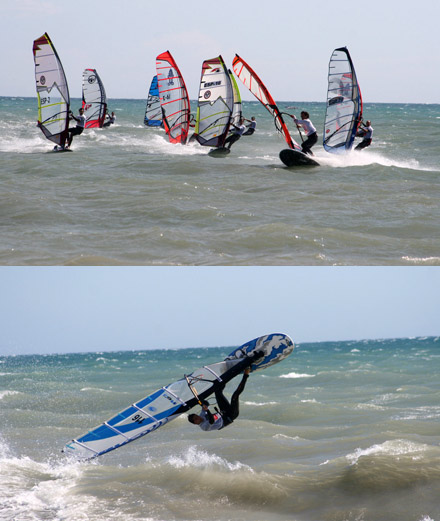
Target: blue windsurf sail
[(153, 111), (169, 402), (344, 103)]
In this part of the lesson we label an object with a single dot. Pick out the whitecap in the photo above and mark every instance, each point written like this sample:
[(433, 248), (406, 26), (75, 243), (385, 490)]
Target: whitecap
[(297, 375), (194, 457)]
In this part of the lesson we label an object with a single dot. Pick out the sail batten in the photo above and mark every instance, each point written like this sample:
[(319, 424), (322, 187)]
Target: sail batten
[(344, 103)]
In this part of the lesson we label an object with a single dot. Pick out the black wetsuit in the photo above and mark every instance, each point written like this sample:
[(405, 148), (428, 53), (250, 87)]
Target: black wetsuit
[(230, 411)]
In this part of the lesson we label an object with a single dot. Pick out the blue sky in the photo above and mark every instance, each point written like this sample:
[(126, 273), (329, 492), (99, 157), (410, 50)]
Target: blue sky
[(394, 43), (74, 309)]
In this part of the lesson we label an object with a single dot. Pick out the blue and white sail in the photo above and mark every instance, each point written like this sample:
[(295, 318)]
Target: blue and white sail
[(169, 402), (153, 111), (344, 103)]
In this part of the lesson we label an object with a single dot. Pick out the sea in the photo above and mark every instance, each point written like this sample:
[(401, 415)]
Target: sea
[(339, 431), (126, 196)]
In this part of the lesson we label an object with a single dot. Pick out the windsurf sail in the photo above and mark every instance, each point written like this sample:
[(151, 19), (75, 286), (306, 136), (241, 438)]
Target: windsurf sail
[(344, 103), (237, 112), (251, 80), (52, 91), (167, 403), (216, 104), (174, 99), (153, 111), (155, 410), (94, 100)]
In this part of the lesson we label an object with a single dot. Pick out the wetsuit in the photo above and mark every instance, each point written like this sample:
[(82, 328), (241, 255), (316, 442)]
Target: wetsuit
[(110, 121), (76, 131), (367, 138), (251, 128), (239, 131), (228, 411)]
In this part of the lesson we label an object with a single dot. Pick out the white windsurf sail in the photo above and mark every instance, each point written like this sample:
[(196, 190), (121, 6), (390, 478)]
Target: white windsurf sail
[(167, 403), (52, 91), (251, 80), (344, 103), (174, 99), (153, 111), (216, 104), (94, 100)]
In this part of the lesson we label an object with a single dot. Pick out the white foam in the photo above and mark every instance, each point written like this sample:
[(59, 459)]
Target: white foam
[(367, 158), (419, 260), (297, 375), (3, 394), (389, 448), (193, 457), (259, 404)]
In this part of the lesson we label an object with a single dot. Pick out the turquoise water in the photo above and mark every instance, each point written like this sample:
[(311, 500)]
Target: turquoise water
[(126, 196), (339, 431)]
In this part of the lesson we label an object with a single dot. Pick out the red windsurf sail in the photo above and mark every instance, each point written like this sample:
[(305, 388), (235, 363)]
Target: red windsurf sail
[(174, 98), (252, 81)]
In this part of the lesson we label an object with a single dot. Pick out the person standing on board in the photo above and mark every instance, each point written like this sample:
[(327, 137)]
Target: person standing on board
[(228, 411), (310, 130), (109, 119), (366, 132), (238, 132), (251, 127), (80, 124)]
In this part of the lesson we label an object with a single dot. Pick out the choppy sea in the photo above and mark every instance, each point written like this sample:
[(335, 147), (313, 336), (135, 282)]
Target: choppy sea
[(339, 431), (127, 196)]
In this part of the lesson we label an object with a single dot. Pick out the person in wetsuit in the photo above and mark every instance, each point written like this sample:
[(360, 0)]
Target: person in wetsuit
[(78, 129), (238, 132), (251, 127), (366, 132), (228, 411)]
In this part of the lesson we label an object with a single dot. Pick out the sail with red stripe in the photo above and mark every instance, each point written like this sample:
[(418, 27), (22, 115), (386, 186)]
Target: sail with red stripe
[(344, 103), (94, 99), (251, 80), (174, 99), (52, 91)]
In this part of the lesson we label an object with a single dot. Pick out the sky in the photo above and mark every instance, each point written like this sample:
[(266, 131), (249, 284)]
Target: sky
[(85, 309), (394, 44)]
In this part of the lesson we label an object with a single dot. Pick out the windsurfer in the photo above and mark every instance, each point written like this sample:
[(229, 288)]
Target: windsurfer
[(310, 130), (251, 127), (109, 119), (80, 124), (228, 411), (366, 132), (236, 135)]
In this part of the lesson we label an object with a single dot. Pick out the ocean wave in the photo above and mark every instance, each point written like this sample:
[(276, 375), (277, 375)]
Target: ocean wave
[(197, 458), (4, 394), (389, 448), (297, 375)]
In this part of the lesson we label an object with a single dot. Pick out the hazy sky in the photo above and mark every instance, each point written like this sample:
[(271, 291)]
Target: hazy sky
[(394, 43), (72, 309)]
